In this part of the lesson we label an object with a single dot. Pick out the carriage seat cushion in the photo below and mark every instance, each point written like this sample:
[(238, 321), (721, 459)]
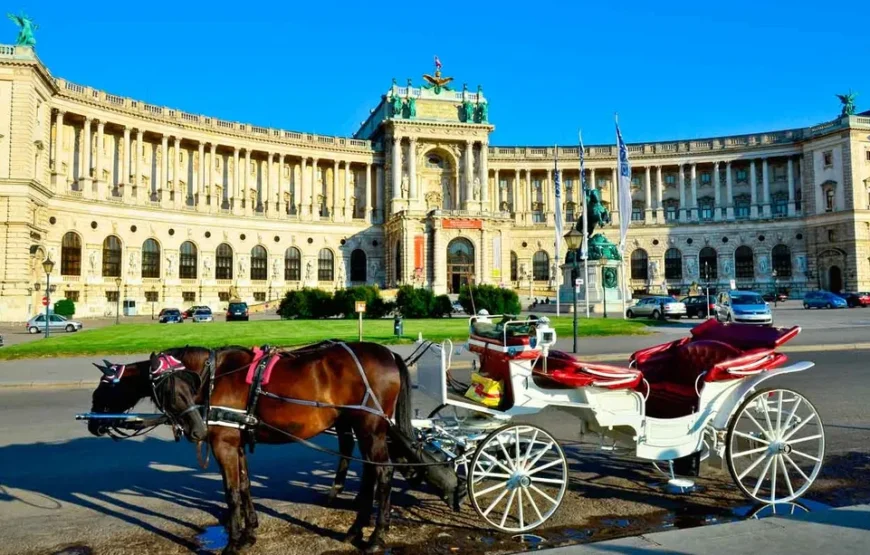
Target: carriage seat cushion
[(566, 370)]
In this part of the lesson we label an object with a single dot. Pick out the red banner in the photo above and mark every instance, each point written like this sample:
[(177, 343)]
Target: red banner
[(418, 252), (461, 224)]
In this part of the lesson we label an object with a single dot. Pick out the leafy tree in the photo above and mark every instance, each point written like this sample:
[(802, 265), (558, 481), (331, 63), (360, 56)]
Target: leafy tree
[(65, 307), (495, 300)]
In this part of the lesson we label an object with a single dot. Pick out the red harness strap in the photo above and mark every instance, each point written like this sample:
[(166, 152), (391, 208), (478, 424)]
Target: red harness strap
[(259, 354)]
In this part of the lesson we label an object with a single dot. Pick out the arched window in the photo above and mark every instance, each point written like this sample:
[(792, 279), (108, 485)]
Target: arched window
[(781, 256), (150, 259), (744, 263), (325, 265), (541, 266), (398, 265), (71, 255), (292, 264), (111, 257), (708, 263), (187, 261), (514, 267), (259, 263), (673, 264), (223, 262), (358, 265), (639, 265)]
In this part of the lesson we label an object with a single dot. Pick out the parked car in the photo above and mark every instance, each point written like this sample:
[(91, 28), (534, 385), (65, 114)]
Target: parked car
[(457, 308), (189, 312), (237, 311), (824, 299), (170, 316), (743, 307), (202, 315), (655, 307), (699, 305), (780, 297), (856, 299), (1, 340), (55, 323)]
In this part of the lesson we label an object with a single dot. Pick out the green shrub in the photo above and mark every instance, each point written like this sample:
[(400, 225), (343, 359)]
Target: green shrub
[(65, 307), (442, 307), (495, 300), (294, 305), (307, 303), (414, 302), (320, 303), (345, 301)]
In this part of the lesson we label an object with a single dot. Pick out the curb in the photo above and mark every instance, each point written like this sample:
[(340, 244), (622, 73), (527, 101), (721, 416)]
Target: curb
[(458, 365)]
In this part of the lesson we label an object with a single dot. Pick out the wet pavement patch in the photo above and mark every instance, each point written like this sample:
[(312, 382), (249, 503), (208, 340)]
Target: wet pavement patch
[(213, 538)]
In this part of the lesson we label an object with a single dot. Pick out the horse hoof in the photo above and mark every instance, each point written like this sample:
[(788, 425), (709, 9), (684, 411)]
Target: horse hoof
[(373, 547), (354, 536), (248, 539), (231, 549)]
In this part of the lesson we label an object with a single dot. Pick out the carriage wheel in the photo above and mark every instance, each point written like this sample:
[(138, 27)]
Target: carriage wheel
[(518, 477), (775, 445)]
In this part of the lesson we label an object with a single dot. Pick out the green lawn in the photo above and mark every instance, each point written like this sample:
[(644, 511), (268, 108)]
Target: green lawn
[(141, 338)]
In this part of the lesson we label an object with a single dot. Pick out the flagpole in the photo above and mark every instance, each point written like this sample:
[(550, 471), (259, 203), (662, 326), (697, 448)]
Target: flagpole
[(585, 253), (557, 185), (622, 211)]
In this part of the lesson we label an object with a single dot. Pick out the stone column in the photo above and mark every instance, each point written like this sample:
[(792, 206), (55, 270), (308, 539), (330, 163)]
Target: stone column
[(614, 196), (790, 178), (765, 188), (660, 185), (314, 191), (162, 177), (647, 194), (199, 190), (397, 168), (209, 179), (236, 200), (412, 168), (265, 197), (246, 184), (276, 202), (98, 162), (370, 170), (484, 175), (515, 193), (349, 192), (135, 180), (682, 194), (497, 197), (180, 197), (87, 184), (380, 194), (469, 171), (717, 195), (694, 176), (302, 189), (546, 188), (753, 186), (125, 167), (529, 196), (58, 141), (439, 267), (333, 211), (729, 193)]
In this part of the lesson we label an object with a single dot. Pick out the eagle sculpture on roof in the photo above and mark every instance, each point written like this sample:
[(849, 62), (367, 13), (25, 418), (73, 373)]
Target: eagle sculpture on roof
[(437, 82)]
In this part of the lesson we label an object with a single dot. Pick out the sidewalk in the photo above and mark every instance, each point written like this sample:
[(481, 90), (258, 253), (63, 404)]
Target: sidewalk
[(843, 531)]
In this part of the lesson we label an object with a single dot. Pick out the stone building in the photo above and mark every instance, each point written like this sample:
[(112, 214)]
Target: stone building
[(188, 209)]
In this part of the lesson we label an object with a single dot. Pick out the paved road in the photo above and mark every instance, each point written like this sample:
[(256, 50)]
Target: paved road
[(59, 486)]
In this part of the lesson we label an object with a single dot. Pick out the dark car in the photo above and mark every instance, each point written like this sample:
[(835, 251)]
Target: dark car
[(189, 312), (698, 305), (856, 299), (237, 311), (779, 297), (170, 316)]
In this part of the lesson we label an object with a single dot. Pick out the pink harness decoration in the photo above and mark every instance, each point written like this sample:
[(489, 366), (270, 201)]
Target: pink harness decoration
[(267, 372), (116, 375), (167, 363)]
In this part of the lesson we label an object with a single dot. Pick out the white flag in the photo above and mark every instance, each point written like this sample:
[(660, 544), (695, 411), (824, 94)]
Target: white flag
[(624, 189), (557, 186)]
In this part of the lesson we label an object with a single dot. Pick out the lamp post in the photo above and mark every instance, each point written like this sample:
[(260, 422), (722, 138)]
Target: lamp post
[(118, 301), (48, 266), (574, 239), (153, 299), (775, 288), (707, 287)]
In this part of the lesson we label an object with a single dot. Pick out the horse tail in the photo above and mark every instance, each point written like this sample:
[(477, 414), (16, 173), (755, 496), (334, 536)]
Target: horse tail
[(403, 402)]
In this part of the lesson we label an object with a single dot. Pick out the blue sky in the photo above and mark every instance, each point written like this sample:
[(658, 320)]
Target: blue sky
[(671, 69)]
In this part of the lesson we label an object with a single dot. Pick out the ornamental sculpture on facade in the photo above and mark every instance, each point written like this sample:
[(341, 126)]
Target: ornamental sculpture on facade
[(437, 83), (26, 27), (848, 101)]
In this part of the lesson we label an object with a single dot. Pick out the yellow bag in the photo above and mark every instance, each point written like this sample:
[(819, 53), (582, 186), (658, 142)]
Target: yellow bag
[(485, 390)]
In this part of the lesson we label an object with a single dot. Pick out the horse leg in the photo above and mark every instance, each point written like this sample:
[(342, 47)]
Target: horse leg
[(225, 446), (379, 452), (345, 447), (249, 536), (364, 501)]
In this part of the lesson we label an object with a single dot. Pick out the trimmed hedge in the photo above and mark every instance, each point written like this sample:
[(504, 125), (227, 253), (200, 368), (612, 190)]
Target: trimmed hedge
[(344, 302), (494, 299), (442, 307), (413, 302), (65, 307)]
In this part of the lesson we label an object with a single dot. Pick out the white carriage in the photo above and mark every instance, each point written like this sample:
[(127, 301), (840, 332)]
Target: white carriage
[(676, 403)]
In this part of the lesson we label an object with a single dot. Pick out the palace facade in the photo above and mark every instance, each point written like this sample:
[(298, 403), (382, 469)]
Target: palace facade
[(159, 206)]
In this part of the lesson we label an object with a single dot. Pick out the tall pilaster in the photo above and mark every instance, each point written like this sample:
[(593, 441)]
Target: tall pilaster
[(753, 187), (729, 193), (717, 195), (124, 174), (248, 184), (209, 188), (57, 166), (369, 177), (484, 175), (765, 188), (380, 194), (162, 179), (659, 192), (396, 167), (136, 178), (497, 194), (694, 176), (314, 191), (790, 179), (176, 176), (98, 162), (414, 193), (237, 185), (199, 189), (515, 192), (469, 172), (87, 184), (303, 189), (336, 187), (682, 193), (647, 195)]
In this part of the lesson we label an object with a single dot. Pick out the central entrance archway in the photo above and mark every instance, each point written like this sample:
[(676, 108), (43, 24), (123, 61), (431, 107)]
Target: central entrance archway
[(460, 263), (835, 279)]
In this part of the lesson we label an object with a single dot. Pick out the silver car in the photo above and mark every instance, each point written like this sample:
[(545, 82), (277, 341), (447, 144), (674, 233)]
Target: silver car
[(55, 323), (655, 307), (202, 315), (745, 307)]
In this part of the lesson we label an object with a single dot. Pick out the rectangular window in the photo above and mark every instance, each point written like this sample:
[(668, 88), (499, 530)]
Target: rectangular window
[(569, 215), (671, 213), (260, 296), (867, 155), (188, 296), (670, 179), (780, 207), (536, 184), (72, 295), (829, 200), (741, 211), (705, 178), (707, 212), (828, 158), (539, 218), (223, 296), (636, 214), (151, 297), (741, 175), (112, 296)]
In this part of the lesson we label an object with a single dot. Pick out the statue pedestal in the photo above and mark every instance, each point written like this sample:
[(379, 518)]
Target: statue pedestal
[(597, 292), (473, 206)]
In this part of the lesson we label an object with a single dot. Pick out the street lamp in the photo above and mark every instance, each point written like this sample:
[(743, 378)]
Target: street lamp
[(153, 299), (574, 239), (707, 287), (48, 266), (118, 301), (775, 288)]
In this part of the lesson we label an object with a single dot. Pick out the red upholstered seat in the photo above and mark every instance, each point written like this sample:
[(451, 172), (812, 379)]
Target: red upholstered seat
[(566, 370)]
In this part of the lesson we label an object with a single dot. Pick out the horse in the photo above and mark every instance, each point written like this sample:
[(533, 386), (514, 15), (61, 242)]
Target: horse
[(339, 385)]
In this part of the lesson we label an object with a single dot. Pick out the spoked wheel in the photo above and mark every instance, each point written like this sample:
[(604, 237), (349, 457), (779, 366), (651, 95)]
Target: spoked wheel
[(518, 478), (775, 445)]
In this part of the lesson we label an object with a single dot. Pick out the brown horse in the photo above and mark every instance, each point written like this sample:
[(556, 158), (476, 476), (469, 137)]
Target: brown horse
[(328, 374)]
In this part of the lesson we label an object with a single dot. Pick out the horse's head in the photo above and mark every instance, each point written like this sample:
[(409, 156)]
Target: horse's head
[(120, 388)]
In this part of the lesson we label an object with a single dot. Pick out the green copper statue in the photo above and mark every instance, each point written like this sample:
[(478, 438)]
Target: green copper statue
[(608, 277), (848, 101), (596, 216), (412, 107), (396, 106), (482, 112), (26, 27), (468, 111)]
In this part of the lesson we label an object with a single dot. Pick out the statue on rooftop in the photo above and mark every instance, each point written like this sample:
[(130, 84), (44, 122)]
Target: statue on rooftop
[(412, 107), (396, 106), (468, 111), (436, 82), (848, 101), (26, 27)]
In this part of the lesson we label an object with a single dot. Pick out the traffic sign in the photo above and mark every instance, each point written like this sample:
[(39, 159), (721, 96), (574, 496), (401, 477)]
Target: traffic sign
[(578, 282), (733, 285), (45, 301), (360, 306)]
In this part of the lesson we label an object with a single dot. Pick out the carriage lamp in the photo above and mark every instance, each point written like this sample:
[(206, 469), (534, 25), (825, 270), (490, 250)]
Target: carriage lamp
[(48, 266), (574, 239), (118, 301)]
